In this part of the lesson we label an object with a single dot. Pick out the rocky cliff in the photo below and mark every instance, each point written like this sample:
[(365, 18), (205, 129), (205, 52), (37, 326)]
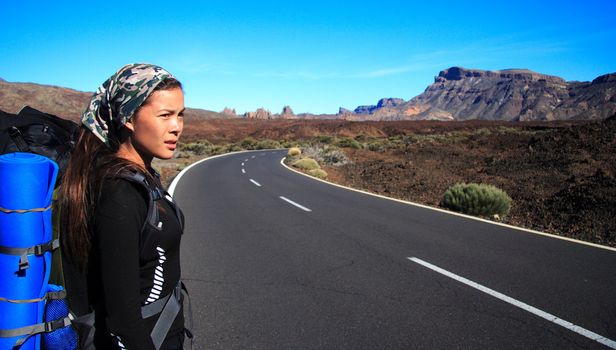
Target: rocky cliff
[(510, 94)]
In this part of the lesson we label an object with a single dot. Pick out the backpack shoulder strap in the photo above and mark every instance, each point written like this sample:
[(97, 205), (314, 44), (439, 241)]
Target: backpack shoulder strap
[(150, 231)]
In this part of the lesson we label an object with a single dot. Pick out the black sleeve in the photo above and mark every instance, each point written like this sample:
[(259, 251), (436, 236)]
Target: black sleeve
[(120, 215)]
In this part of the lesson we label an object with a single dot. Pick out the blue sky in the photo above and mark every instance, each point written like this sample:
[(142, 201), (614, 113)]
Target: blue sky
[(315, 55)]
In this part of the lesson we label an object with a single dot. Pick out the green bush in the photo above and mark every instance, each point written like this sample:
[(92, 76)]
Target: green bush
[(267, 144), (477, 199), (294, 151), (376, 146), (323, 139), (347, 142), (248, 143), (320, 173), (306, 164), (217, 149), (198, 148), (233, 147)]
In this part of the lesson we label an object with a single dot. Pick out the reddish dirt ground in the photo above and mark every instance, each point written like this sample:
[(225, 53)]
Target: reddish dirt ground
[(561, 179)]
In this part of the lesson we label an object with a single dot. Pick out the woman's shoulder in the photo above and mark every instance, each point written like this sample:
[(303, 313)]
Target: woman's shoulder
[(123, 192)]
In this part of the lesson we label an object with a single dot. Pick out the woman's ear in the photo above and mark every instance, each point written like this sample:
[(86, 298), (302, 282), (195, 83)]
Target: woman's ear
[(125, 132), (130, 124)]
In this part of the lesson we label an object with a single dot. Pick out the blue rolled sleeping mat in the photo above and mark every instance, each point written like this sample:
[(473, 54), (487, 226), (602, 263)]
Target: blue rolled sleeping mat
[(26, 185)]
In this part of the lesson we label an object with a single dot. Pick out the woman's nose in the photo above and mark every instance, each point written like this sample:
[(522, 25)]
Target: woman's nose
[(176, 125)]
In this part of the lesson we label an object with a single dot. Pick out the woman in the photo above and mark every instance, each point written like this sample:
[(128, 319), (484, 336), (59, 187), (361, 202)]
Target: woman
[(136, 115)]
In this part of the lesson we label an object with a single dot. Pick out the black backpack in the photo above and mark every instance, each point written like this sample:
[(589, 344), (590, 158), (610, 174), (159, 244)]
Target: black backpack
[(34, 131)]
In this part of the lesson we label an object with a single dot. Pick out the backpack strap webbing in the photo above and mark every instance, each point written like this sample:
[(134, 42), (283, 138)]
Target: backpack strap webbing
[(23, 253), (18, 139), (48, 296), (29, 331), (168, 309)]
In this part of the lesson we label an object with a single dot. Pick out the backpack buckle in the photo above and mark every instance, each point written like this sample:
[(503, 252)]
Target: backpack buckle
[(14, 131), (18, 139)]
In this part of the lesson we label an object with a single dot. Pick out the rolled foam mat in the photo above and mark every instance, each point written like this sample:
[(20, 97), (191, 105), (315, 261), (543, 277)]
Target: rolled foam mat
[(26, 182)]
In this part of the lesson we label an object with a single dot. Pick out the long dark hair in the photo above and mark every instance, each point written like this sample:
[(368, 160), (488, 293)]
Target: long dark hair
[(91, 163)]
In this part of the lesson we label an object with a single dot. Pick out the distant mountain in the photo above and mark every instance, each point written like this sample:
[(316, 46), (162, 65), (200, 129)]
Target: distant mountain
[(510, 94), (456, 94), (64, 102)]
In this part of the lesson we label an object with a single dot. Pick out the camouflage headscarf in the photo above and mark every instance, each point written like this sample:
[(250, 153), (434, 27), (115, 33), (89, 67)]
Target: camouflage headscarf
[(120, 96)]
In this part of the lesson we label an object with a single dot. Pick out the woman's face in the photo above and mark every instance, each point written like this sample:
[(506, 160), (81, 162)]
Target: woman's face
[(157, 126)]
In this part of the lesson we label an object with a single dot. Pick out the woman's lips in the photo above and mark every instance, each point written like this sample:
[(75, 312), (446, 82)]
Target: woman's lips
[(171, 145)]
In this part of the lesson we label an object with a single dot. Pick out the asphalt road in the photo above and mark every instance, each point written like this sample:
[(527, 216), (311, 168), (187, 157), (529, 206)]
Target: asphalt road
[(264, 273)]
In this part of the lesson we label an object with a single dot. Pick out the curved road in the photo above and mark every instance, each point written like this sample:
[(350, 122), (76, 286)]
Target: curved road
[(329, 268)]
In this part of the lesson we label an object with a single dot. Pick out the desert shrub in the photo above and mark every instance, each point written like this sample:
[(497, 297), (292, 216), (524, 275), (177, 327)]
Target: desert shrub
[(182, 155), (198, 148), (294, 151), (288, 144), (248, 143), (483, 132), (267, 144), (217, 149), (333, 156), (306, 164), (477, 199), (233, 147), (362, 138), (328, 155), (347, 142), (323, 139), (399, 141), (320, 173), (376, 146)]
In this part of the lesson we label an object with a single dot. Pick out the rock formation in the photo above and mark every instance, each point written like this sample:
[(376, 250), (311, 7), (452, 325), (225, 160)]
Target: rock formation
[(510, 94), (287, 112), (342, 111), (229, 112), (260, 113)]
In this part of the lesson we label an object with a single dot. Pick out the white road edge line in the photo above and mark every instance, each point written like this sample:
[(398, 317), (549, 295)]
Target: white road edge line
[(254, 182), (243, 171), (295, 204), (533, 310), (549, 235)]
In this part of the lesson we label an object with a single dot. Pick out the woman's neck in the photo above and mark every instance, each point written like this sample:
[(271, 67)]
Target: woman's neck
[(128, 152)]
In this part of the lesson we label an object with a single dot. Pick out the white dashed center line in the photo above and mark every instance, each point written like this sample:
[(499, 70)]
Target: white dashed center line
[(243, 171), (295, 204), (254, 182), (242, 164), (533, 310)]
